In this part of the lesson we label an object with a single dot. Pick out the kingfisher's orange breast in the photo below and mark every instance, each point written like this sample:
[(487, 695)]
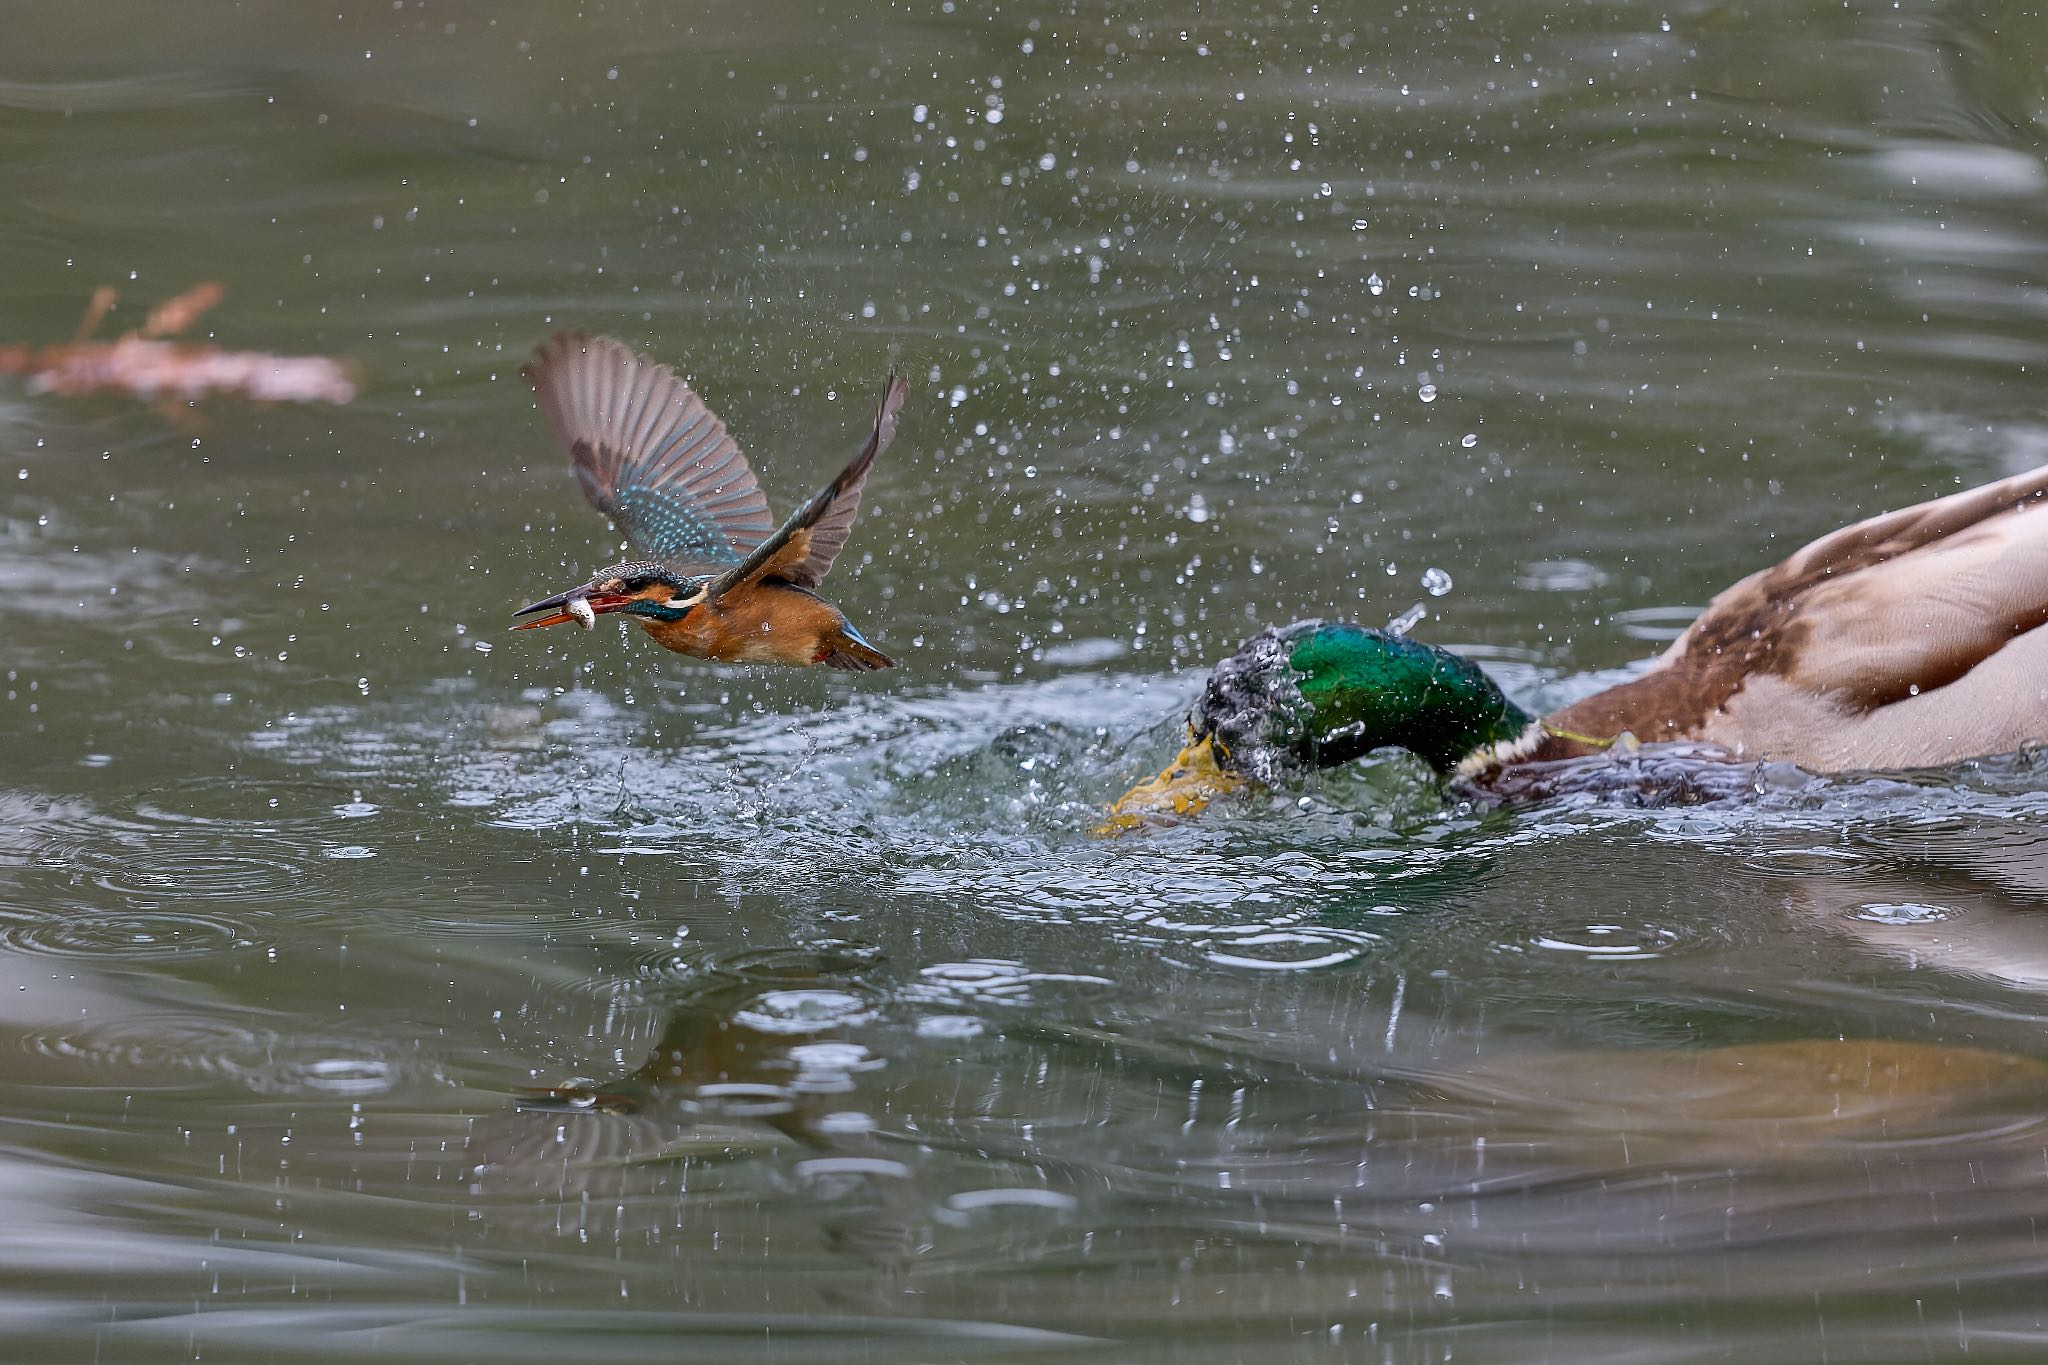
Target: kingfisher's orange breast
[(764, 623)]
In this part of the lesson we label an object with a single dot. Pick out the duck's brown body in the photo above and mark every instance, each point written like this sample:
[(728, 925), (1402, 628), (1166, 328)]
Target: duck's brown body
[(1913, 639)]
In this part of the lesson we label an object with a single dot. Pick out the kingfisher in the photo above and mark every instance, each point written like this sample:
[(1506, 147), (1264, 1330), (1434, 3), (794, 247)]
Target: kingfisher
[(716, 578)]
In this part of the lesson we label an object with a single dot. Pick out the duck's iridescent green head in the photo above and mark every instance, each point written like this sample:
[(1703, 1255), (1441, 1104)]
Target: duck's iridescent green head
[(1318, 693)]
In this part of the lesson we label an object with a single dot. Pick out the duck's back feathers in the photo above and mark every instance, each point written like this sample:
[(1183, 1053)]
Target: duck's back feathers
[(649, 454), (1913, 638)]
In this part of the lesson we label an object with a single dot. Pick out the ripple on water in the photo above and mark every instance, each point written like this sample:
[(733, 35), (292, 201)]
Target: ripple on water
[(170, 867), (804, 1011), (172, 872), (1901, 913), (176, 1051), (1657, 625), (791, 992), (1292, 949), (722, 966), (138, 935), (178, 870), (987, 981), (264, 804), (1805, 862), (1612, 942)]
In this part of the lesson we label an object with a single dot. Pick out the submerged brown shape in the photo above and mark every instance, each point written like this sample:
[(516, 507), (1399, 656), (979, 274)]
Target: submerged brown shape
[(142, 363)]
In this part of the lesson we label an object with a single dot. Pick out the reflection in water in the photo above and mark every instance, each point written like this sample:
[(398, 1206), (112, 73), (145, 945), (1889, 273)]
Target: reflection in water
[(923, 1177), (314, 881), (1339, 1036)]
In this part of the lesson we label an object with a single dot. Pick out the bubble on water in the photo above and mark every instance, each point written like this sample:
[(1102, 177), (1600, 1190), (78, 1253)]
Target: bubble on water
[(804, 1011), (1427, 393), (1471, 439), (1435, 582), (953, 1027), (1890, 912)]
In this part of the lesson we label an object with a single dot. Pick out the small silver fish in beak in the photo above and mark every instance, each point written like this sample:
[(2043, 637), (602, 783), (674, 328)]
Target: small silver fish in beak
[(579, 608)]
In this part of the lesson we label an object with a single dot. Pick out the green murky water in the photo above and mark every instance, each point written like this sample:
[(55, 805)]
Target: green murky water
[(376, 983)]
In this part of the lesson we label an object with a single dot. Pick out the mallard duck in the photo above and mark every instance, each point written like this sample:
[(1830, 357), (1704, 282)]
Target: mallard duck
[(1911, 640)]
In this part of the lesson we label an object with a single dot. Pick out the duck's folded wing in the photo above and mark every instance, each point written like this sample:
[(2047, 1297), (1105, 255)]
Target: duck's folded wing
[(1917, 622), (649, 454), (1895, 606), (1913, 639)]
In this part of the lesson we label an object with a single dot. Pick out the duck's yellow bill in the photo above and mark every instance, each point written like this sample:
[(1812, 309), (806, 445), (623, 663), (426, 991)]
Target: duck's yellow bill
[(1184, 787)]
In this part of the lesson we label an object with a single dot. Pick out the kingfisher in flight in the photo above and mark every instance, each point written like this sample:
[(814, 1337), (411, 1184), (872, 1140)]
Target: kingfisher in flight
[(716, 578)]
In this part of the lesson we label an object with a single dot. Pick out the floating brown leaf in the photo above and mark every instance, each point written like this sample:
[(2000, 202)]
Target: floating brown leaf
[(143, 364)]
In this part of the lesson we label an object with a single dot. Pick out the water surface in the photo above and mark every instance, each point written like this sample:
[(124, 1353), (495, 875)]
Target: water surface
[(380, 983)]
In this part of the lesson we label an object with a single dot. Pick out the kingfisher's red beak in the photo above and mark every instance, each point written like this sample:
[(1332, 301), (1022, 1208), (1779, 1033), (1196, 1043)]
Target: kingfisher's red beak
[(582, 605)]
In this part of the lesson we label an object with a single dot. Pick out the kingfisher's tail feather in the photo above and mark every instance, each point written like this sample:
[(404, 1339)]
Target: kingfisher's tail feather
[(850, 652)]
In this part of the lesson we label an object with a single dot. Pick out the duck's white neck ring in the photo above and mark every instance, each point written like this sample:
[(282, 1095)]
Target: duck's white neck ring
[(1489, 756)]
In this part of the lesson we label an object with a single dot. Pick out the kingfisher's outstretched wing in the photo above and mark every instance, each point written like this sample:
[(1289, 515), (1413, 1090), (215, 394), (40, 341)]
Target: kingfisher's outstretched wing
[(648, 453), (835, 522), (827, 514)]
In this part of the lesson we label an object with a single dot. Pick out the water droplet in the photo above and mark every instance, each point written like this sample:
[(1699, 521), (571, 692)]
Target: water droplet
[(1471, 439), (1374, 285), (1407, 620), (1435, 582), (1427, 393)]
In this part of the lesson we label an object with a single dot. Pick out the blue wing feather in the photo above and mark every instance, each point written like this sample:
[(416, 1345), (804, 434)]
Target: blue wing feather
[(669, 528), (648, 453)]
